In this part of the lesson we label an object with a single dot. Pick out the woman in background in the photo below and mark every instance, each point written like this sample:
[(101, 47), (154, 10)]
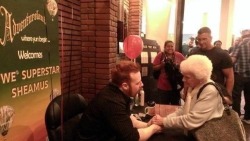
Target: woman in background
[(168, 62)]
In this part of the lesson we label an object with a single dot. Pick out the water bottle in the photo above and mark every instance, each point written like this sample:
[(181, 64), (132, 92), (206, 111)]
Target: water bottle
[(132, 103), (137, 100), (142, 97)]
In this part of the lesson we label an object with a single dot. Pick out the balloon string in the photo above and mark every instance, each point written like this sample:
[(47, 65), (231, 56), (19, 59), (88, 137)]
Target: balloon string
[(62, 46)]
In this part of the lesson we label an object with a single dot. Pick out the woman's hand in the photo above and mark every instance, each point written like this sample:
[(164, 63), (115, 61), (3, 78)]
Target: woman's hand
[(157, 119)]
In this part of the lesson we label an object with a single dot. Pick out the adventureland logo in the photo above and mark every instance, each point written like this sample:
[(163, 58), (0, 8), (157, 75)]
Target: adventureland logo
[(12, 28)]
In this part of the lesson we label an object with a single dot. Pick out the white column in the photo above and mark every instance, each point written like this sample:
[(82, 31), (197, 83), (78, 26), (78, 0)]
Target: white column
[(226, 22), (157, 20)]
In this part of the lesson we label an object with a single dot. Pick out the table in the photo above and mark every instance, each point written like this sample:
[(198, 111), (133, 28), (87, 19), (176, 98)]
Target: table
[(164, 110), (160, 109), (167, 134)]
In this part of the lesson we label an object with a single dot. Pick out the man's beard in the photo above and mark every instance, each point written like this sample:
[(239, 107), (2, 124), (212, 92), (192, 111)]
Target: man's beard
[(130, 92)]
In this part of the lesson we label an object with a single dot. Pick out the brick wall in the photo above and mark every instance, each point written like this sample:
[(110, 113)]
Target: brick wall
[(99, 43), (135, 17), (70, 45), (88, 49)]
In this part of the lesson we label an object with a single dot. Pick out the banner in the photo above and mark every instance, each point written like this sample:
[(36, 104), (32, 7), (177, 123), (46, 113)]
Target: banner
[(29, 67)]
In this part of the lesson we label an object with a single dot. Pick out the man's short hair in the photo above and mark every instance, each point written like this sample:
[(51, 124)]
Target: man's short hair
[(121, 72), (245, 33), (204, 30), (217, 41)]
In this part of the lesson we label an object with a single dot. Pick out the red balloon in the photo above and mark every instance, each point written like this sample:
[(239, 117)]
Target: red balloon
[(132, 46)]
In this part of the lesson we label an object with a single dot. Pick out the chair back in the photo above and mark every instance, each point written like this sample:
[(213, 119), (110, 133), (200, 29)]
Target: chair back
[(63, 115)]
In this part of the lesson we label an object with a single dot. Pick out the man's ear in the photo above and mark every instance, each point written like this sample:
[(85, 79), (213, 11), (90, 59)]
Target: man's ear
[(125, 86)]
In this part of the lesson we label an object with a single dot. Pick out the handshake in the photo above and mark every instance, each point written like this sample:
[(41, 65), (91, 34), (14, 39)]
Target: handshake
[(157, 123)]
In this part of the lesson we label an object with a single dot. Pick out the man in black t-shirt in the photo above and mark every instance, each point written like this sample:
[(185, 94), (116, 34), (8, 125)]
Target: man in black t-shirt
[(222, 63)]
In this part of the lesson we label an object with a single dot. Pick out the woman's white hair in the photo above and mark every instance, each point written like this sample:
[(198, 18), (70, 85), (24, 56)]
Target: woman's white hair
[(197, 65)]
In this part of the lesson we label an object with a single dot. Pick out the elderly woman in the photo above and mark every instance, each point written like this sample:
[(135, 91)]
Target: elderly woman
[(196, 71)]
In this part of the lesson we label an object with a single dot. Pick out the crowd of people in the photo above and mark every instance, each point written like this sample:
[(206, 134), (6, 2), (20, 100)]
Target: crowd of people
[(108, 116), (230, 68)]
